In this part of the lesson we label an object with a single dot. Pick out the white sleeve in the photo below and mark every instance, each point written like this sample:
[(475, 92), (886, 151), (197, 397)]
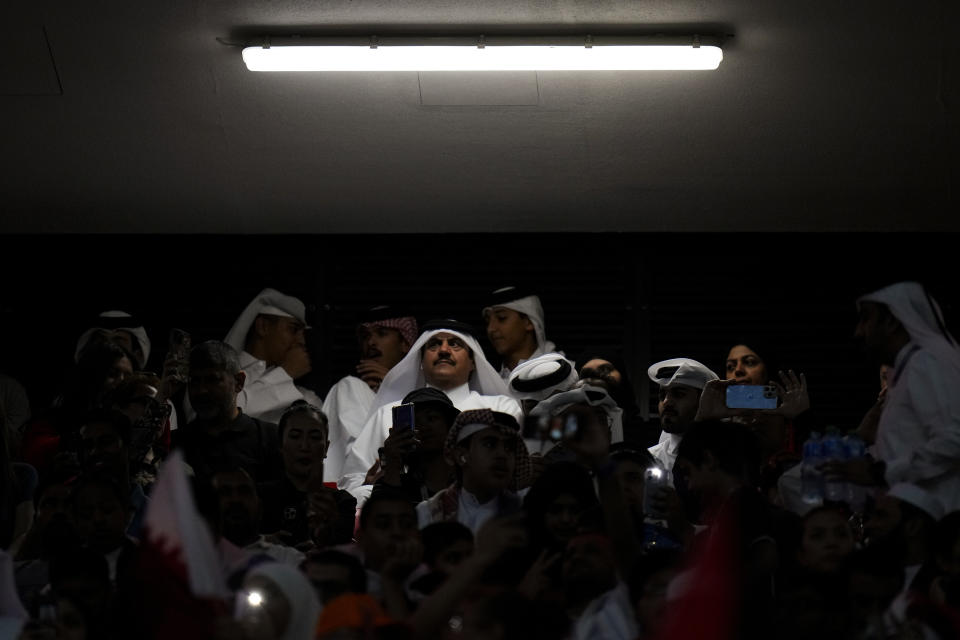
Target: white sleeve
[(364, 451), (267, 396), (346, 407), (937, 408)]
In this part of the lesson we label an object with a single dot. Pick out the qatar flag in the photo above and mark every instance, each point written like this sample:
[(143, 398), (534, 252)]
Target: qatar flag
[(179, 578)]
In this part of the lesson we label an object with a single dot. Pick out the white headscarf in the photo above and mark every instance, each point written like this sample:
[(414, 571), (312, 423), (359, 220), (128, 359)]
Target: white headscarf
[(588, 395), (531, 307), (268, 302), (407, 374), (138, 332), (538, 378), (685, 371), (920, 315), (304, 606)]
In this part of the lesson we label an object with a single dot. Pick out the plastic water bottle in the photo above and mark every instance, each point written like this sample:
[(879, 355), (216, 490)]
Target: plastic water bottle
[(811, 478), (834, 451), (855, 448)]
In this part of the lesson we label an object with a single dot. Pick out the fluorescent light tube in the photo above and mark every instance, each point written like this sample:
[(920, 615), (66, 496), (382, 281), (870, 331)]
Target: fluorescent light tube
[(485, 58)]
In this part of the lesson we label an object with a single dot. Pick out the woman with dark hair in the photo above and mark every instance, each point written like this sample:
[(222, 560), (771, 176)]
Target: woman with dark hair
[(751, 362), (101, 369)]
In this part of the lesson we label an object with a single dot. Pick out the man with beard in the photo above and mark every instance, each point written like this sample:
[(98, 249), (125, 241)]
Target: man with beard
[(918, 435), (240, 512), (222, 431), (384, 335), (681, 382), (101, 510), (446, 357)]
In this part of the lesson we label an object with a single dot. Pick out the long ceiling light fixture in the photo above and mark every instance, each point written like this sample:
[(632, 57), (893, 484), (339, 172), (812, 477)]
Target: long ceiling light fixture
[(484, 53)]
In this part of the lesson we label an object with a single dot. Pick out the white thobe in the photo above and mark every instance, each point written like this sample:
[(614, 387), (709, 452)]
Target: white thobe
[(364, 451), (919, 432), (471, 513), (665, 451), (609, 617), (267, 391), (347, 406)]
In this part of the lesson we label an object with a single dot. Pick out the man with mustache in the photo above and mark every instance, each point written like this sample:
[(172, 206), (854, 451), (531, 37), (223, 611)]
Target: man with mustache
[(221, 429), (681, 382), (385, 335), (447, 357)]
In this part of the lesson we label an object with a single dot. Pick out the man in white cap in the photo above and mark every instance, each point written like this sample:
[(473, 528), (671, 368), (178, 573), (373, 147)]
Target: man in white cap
[(269, 335), (681, 382), (918, 436), (514, 320), (445, 356), (384, 335)]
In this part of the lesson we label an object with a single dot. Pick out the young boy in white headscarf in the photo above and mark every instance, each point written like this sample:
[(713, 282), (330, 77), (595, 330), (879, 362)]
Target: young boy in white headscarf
[(514, 320), (269, 335)]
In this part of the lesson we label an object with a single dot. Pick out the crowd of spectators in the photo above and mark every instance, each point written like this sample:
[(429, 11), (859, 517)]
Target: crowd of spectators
[(433, 494)]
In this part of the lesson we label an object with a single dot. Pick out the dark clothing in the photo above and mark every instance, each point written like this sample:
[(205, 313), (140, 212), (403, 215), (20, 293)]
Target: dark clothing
[(21, 490), (285, 509), (247, 442)]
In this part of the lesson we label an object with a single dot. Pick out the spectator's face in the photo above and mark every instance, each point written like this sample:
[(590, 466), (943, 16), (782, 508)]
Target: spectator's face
[(120, 370), (875, 326), (213, 392), (450, 558), (630, 475), (678, 407), (328, 580), (699, 486), (602, 369), (745, 366), (100, 517), (53, 507), (489, 462), (278, 335), (562, 517), (383, 345), (507, 330), (137, 405), (389, 524), (304, 443), (431, 426), (827, 541), (103, 449), (239, 506), (588, 560), (447, 361)]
